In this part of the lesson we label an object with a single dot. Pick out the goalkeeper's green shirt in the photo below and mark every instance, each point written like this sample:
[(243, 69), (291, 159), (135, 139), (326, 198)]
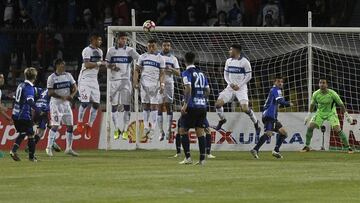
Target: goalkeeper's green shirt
[(326, 103)]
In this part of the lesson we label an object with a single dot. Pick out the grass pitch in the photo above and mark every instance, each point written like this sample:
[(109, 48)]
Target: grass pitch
[(151, 176)]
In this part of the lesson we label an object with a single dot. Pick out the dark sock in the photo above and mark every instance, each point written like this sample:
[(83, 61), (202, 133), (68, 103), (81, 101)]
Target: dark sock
[(208, 143), (37, 139), (178, 143), (18, 141), (279, 142), (31, 145), (186, 145), (262, 140), (202, 144)]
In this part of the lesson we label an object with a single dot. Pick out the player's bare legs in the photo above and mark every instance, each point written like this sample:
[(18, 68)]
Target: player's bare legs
[(208, 144), (220, 112), (245, 108)]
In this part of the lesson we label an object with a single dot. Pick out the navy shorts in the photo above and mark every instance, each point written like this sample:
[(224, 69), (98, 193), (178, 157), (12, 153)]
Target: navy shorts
[(24, 126), (271, 124), (41, 120), (195, 118)]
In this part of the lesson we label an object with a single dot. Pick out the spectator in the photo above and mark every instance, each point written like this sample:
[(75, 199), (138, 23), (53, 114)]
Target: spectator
[(317, 8), (235, 15), (71, 13), (199, 7), (9, 12), (108, 19), (191, 19), (119, 21), (211, 15), (271, 14), (121, 10), (222, 20), (39, 12), (251, 9), (88, 22)]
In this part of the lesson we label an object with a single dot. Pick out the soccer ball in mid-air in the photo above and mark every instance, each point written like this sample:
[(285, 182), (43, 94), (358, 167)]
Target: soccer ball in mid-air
[(149, 26)]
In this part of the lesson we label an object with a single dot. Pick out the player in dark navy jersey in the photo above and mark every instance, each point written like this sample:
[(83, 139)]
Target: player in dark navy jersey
[(22, 113), (269, 118), (196, 90)]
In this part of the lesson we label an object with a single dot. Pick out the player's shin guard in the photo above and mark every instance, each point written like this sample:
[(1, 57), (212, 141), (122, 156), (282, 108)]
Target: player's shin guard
[(18, 141), (220, 112), (202, 144), (343, 139), (153, 118), (39, 135), (279, 142), (160, 121), (185, 141), (208, 144), (262, 140), (146, 114), (178, 143), (252, 116), (92, 117), (69, 140), (309, 134), (169, 118), (51, 138), (31, 145)]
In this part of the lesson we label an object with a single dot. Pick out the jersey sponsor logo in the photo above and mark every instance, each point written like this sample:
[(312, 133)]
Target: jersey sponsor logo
[(62, 85), (168, 64), (236, 70), (95, 58), (120, 59), (151, 63)]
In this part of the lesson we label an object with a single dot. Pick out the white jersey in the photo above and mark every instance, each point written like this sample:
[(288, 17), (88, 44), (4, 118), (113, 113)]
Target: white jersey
[(122, 58), (151, 65), (237, 71), (61, 84), (170, 62), (92, 55)]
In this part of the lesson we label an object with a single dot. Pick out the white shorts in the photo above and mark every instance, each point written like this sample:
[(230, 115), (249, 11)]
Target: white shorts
[(150, 94), (168, 95), (89, 93), (61, 113), (228, 95), (120, 92)]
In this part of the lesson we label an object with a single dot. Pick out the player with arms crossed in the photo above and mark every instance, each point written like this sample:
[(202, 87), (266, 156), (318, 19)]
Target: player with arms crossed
[(89, 91), (193, 111), (269, 118), (152, 67), (166, 99), (22, 114), (119, 59), (325, 101), (62, 89), (237, 74)]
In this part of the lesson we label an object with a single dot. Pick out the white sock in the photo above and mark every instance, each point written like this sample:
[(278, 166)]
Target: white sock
[(170, 118), (146, 114), (81, 113), (51, 139), (153, 118), (252, 116), (69, 140), (126, 119), (220, 112), (114, 116), (92, 117), (160, 122)]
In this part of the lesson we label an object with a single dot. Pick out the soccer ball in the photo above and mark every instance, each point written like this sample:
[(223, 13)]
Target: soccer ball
[(149, 26)]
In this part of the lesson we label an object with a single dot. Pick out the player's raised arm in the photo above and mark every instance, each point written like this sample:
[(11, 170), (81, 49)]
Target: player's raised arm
[(136, 73), (162, 74)]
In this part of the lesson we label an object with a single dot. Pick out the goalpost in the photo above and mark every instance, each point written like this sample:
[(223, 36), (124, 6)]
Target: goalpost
[(301, 54)]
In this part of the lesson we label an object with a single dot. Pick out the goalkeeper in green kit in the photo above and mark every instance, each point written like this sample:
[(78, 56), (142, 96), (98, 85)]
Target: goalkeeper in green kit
[(325, 101)]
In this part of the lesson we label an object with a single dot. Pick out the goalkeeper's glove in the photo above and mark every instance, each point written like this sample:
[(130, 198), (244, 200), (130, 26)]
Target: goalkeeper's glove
[(307, 118), (349, 119)]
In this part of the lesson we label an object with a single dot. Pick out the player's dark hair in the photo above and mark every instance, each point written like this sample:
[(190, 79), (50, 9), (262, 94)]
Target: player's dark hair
[(324, 78), (236, 46), (189, 57), (58, 62), (94, 35), (151, 41), (121, 34), (278, 77), (166, 41)]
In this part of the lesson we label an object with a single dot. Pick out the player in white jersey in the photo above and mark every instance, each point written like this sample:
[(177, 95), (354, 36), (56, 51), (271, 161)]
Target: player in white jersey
[(166, 99), (89, 91), (151, 65), (237, 74), (119, 59), (62, 89)]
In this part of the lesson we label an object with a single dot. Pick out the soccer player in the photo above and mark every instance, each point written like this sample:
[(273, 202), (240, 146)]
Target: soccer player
[(269, 118), (22, 115), (119, 59), (3, 109), (166, 99), (325, 101), (237, 74), (89, 91), (62, 89), (151, 65), (193, 111)]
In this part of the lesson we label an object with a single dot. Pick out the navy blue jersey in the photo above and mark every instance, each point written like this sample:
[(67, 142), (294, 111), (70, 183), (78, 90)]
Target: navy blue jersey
[(272, 102), (24, 101), (43, 102), (199, 83)]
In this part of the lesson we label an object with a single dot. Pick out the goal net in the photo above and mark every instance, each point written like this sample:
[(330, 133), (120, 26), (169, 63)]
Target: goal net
[(271, 51)]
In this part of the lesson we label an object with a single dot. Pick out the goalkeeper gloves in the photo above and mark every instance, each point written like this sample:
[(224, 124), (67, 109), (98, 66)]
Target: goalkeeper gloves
[(349, 119), (307, 118)]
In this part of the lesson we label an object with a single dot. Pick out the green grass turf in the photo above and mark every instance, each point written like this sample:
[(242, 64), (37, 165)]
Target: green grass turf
[(151, 176)]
